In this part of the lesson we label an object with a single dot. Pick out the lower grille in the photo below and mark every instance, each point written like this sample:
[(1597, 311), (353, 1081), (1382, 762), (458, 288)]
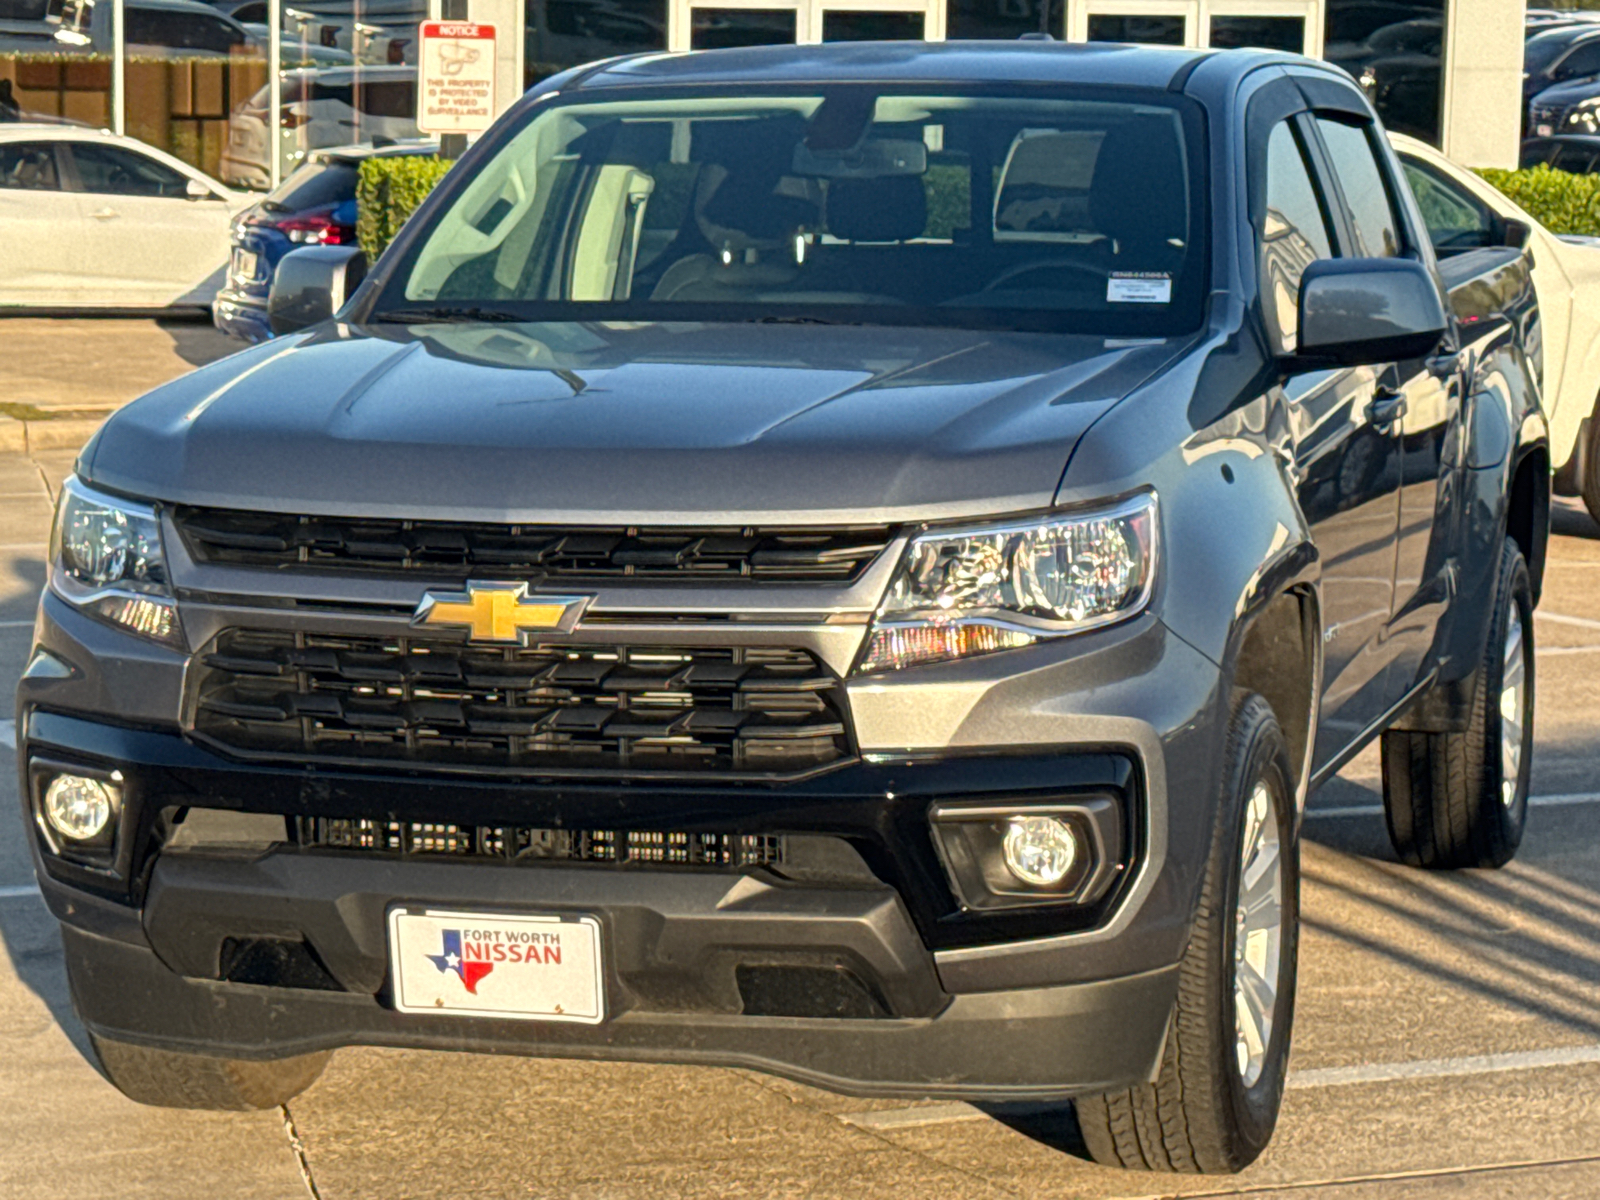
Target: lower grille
[(516, 843), (755, 710)]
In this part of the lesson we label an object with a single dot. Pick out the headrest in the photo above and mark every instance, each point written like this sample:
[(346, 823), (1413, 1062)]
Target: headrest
[(889, 208), (1139, 195)]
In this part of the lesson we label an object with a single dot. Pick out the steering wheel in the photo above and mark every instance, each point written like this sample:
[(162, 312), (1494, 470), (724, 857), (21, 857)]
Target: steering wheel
[(1059, 264)]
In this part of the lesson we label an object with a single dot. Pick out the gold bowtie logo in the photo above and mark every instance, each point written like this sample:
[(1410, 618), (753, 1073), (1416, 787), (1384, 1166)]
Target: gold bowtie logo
[(499, 612)]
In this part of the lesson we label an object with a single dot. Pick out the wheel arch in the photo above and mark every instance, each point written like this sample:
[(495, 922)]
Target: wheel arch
[(1278, 656), (1528, 511)]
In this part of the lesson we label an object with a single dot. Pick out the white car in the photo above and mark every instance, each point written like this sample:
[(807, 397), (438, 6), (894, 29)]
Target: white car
[(1464, 214), (92, 220)]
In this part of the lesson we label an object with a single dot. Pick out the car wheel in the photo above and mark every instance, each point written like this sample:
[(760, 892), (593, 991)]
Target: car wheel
[(1461, 799), (1215, 1101), (170, 1080), (1591, 466)]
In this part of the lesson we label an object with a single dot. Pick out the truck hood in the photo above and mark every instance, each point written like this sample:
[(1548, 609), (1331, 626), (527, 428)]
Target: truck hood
[(658, 424)]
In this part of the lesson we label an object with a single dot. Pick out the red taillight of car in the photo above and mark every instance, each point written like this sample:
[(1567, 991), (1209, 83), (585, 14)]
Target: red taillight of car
[(290, 119), (314, 229)]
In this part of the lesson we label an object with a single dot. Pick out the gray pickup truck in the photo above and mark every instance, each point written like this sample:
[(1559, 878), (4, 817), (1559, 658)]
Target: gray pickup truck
[(846, 561)]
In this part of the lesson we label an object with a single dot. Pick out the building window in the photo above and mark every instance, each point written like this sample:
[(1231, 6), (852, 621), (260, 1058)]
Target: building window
[(844, 26), (1395, 50), (1155, 31), (1005, 19), (1259, 33), (565, 33)]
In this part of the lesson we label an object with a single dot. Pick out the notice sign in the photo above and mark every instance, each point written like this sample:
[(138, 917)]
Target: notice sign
[(455, 92)]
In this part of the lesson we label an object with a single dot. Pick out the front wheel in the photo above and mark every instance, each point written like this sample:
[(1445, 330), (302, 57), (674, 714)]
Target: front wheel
[(1215, 1102)]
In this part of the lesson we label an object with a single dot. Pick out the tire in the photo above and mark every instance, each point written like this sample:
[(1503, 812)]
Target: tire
[(1455, 799), (1209, 1111), (169, 1080), (1591, 467)]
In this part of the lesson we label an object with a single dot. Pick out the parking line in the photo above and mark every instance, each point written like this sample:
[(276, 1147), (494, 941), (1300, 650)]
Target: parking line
[(1322, 1077), (1563, 619), (1560, 800), (16, 624), (18, 891)]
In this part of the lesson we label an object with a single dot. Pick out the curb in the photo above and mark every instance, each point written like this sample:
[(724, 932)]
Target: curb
[(29, 437)]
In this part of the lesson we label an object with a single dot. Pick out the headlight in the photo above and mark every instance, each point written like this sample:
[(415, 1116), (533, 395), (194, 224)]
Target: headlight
[(107, 559), (974, 591)]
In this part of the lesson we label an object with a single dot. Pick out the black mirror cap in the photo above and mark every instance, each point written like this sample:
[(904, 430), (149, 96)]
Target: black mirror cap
[(1517, 233), (311, 284), (1362, 311)]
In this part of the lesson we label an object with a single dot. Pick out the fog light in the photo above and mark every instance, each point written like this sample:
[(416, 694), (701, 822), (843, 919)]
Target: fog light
[(1040, 851), (79, 808)]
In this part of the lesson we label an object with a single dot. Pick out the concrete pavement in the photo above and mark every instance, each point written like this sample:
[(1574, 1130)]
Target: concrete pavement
[(1447, 1040)]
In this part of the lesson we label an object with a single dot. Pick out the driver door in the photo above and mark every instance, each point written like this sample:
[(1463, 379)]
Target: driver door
[(1346, 465)]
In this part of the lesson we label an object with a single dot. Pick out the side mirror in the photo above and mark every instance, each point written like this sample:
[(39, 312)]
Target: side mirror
[(1360, 311), (1517, 233), (312, 284), (196, 190)]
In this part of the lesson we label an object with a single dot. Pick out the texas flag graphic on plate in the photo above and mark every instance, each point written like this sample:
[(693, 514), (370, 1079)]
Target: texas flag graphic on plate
[(529, 967)]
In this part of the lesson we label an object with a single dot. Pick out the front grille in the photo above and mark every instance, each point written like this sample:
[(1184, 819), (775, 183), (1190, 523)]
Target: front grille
[(759, 710), (516, 843), (448, 550)]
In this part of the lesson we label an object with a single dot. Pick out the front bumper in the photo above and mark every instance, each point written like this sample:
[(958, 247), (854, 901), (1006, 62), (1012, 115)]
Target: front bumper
[(990, 1007)]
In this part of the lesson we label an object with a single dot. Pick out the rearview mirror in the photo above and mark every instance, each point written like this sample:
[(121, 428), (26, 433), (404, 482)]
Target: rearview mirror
[(311, 284), (1360, 311)]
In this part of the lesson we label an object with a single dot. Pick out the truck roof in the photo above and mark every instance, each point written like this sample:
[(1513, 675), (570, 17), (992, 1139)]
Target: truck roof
[(1023, 61)]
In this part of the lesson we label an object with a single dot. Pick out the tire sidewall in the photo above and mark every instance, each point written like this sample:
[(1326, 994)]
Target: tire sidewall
[(1255, 1108), (1513, 600)]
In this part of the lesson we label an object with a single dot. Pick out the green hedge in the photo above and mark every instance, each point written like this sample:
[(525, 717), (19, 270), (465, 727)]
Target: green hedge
[(1560, 201), (387, 192)]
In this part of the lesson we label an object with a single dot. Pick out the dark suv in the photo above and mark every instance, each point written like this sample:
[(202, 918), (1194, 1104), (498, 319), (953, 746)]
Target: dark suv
[(844, 560)]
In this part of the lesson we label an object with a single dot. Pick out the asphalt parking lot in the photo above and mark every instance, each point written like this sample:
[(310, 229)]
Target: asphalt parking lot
[(1447, 1039)]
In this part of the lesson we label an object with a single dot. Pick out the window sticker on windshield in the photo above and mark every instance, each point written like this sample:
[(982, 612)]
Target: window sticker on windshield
[(1139, 287)]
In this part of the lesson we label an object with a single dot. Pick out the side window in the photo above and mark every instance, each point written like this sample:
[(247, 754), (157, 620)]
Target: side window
[(29, 167), (1365, 192), (1584, 60), (111, 170), (1294, 232), (1456, 219)]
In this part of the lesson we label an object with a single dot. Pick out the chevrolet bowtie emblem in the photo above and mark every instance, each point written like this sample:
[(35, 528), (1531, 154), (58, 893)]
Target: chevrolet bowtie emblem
[(499, 612)]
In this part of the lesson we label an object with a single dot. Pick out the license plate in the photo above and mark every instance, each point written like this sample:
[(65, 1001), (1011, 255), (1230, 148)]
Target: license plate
[(244, 264), (474, 964), (1543, 130)]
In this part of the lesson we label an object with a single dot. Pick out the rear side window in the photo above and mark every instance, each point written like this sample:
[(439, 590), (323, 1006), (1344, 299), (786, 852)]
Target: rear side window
[(1365, 192), (1584, 60), (312, 186), (1294, 232), (29, 167), (1456, 219), (113, 171)]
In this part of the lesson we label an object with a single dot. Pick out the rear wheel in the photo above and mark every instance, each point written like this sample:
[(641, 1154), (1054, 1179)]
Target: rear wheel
[(1214, 1105), (1461, 799), (1591, 466), (170, 1080)]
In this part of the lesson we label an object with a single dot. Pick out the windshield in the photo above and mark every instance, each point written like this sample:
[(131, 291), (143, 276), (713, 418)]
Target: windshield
[(851, 204)]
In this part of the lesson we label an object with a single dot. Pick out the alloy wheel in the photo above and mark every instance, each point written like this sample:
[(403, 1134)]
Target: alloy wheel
[(1258, 934)]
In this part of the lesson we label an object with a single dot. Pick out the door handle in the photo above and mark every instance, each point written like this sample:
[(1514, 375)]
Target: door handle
[(1387, 407), (104, 214)]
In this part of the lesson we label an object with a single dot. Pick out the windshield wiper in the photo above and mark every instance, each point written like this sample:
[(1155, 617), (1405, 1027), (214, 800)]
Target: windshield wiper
[(771, 320), (439, 316)]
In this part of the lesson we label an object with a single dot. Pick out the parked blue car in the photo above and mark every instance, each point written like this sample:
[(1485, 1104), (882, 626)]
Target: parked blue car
[(315, 206)]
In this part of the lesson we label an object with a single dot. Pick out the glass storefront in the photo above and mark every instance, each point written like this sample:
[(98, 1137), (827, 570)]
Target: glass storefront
[(196, 84)]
